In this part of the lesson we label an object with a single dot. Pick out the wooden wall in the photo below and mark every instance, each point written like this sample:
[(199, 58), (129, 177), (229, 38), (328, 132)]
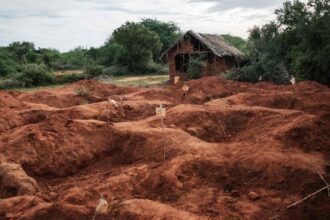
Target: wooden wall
[(219, 64)]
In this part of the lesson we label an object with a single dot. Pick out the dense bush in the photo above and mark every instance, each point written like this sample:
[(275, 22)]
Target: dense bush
[(7, 66), (195, 68), (115, 70), (237, 42), (35, 75), (138, 43), (296, 43), (93, 70), (69, 78), (135, 47), (9, 83), (168, 33), (111, 54), (74, 59)]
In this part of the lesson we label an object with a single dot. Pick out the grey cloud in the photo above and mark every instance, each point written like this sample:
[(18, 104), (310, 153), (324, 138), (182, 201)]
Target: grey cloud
[(223, 5), (86, 22), (17, 15), (256, 16), (136, 11)]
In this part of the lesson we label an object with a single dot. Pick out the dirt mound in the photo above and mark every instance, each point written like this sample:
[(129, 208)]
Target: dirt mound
[(9, 101), (83, 92), (202, 90), (108, 112), (56, 146), (310, 135), (24, 207), (226, 150), (163, 95), (215, 124), (317, 103), (147, 209), (14, 181), (103, 90)]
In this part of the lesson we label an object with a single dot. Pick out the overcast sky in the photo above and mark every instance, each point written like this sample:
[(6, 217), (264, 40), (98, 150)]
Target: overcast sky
[(65, 24)]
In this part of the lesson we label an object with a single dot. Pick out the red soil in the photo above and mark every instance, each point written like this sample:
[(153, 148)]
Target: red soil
[(233, 151)]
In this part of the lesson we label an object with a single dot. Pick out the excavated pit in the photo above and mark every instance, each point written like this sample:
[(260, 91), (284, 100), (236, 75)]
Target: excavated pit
[(228, 150)]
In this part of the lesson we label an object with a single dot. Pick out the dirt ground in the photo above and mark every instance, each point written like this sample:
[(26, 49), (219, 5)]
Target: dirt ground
[(232, 151)]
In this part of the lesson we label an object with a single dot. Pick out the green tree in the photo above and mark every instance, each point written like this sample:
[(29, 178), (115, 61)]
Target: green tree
[(50, 57), (297, 43), (35, 75), (24, 51), (306, 35), (195, 68), (111, 54), (8, 64), (237, 42), (138, 43), (75, 59), (168, 33)]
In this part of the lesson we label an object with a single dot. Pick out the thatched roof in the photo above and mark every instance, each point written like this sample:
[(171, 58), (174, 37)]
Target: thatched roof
[(214, 43)]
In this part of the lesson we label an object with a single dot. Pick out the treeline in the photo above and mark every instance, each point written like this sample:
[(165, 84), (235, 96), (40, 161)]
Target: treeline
[(296, 44), (133, 48), (23, 65)]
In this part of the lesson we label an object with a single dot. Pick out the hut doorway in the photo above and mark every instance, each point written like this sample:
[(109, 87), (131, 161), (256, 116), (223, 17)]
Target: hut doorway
[(182, 62)]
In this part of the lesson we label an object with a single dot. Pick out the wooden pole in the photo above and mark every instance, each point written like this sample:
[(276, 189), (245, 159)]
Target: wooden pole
[(214, 66), (307, 197)]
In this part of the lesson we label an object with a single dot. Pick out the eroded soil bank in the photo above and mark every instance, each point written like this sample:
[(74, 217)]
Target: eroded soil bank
[(233, 151)]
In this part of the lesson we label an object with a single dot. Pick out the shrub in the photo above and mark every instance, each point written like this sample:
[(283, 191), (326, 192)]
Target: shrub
[(7, 66), (229, 75), (163, 70), (35, 75), (70, 78), (82, 91), (93, 70), (195, 68), (9, 83), (139, 44), (115, 70), (152, 67)]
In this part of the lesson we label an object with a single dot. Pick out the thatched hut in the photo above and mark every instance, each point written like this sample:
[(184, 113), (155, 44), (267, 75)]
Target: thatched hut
[(212, 50)]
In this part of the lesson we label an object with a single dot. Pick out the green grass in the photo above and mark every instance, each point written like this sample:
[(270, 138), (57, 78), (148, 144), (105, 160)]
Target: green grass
[(139, 81), (33, 89)]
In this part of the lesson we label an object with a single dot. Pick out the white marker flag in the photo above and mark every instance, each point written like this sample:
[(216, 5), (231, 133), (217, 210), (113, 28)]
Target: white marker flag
[(161, 112), (185, 88), (293, 80), (102, 207)]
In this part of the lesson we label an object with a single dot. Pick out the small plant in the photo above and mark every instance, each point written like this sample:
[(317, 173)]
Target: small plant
[(69, 78), (82, 91), (195, 68), (35, 75), (93, 70)]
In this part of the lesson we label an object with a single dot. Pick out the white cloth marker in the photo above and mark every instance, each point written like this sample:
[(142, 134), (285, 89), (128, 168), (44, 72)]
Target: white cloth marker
[(114, 103), (161, 112), (293, 80), (102, 207)]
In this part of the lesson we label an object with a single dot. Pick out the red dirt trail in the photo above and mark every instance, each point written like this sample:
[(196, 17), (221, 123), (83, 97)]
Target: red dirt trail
[(233, 151)]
